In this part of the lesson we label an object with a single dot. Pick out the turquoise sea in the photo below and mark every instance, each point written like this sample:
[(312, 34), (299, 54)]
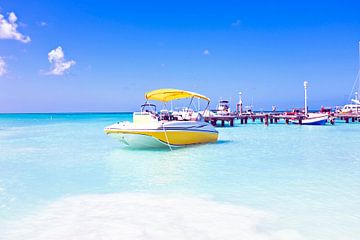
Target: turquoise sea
[(61, 177)]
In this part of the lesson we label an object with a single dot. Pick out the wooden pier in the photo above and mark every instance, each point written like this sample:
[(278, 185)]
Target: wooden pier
[(266, 118), (355, 117), (273, 118)]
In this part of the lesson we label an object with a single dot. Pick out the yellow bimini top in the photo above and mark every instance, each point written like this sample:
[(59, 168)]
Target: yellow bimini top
[(168, 94)]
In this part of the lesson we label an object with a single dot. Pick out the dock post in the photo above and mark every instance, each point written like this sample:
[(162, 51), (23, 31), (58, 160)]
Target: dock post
[(276, 120), (286, 120), (253, 119), (222, 123), (261, 119), (231, 122), (352, 119), (213, 122), (246, 120), (347, 120), (267, 120), (271, 120), (241, 121)]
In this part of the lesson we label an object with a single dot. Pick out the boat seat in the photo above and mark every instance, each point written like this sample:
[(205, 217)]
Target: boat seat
[(179, 118)]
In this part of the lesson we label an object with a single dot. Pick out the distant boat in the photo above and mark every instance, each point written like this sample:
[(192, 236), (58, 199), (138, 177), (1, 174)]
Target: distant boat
[(310, 118), (354, 107), (350, 108), (223, 108), (248, 110), (313, 119)]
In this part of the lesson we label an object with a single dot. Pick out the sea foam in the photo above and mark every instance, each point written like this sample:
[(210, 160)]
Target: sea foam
[(143, 216)]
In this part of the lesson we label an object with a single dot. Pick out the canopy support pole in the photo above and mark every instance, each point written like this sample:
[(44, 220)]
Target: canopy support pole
[(187, 110)]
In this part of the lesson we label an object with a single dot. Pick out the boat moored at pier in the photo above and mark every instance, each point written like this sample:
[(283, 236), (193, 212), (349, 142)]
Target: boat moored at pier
[(223, 108), (312, 119)]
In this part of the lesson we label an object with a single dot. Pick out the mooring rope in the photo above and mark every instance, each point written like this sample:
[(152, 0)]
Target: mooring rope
[(166, 136)]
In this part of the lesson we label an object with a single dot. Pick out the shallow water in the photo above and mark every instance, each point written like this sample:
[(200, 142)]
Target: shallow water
[(257, 182)]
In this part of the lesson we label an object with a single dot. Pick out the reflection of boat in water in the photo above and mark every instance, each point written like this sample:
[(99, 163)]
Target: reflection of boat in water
[(152, 129)]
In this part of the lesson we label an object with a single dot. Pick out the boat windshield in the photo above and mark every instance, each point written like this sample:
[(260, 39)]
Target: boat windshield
[(148, 107), (185, 114)]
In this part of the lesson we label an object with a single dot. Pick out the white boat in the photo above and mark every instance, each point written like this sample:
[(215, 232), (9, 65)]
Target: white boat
[(248, 110), (310, 118), (150, 129), (350, 108), (223, 108), (207, 114), (354, 107), (313, 119)]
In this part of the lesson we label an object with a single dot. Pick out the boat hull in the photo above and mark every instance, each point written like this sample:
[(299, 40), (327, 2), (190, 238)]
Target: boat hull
[(172, 134), (139, 140), (316, 122), (313, 120)]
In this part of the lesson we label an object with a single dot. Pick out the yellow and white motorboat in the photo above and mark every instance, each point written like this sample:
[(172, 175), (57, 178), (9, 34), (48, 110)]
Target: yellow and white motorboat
[(165, 129)]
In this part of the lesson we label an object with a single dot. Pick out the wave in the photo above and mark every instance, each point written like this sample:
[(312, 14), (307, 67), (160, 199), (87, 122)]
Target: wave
[(143, 216)]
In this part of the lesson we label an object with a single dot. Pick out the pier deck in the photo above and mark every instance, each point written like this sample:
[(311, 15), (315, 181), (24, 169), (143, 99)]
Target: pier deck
[(271, 118)]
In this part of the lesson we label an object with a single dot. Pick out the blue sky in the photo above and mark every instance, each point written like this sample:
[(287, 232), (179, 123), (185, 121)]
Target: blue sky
[(115, 51)]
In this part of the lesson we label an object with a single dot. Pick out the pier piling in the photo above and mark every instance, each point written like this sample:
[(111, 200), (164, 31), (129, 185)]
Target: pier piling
[(231, 122), (266, 120)]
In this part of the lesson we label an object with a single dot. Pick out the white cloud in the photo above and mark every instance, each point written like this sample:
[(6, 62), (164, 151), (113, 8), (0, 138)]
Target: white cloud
[(236, 23), (43, 24), (2, 67), (206, 52), (8, 29), (57, 60)]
